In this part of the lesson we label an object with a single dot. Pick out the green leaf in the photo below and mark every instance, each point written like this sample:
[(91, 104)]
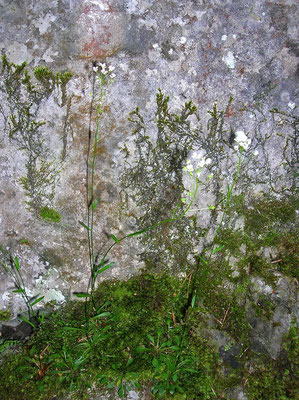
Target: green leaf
[(176, 348), (102, 315), (27, 320), (37, 301), (17, 263), (139, 349), (193, 301), (174, 377), (206, 262), (130, 361), (218, 249), (99, 271), (80, 295), (155, 362), (85, 226), (150, 338), (137, 233), (121, 391), (114, 238), (19, 291), (41, 319), (94, 204)]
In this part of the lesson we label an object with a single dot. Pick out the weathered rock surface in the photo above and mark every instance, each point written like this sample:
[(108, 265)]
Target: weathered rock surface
[(237, 60)]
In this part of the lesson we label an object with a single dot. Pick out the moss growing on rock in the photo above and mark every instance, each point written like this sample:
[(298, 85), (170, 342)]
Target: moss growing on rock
[(49, 214), (5, 315)]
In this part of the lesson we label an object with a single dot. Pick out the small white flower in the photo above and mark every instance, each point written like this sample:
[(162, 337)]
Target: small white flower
[(242, 140), (189, 168), (103, 68), (111, 68), (95, 69), (112, 76), (256, 153), (204, 162)]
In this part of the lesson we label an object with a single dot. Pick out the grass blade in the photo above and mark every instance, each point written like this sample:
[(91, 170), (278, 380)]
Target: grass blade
[(84, 226), (37, 301), (27, 320), (114, 238), (94, 204), (17, 265)]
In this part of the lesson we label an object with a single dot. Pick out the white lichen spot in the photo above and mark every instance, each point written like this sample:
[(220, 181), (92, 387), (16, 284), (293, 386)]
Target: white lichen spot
[(44, 23), (183, 40), (291, 105), (229, 60), (6, 297), (224, 38), (55, 295)]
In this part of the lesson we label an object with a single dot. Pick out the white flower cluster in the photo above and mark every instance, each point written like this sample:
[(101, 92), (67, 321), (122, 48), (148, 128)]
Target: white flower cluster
[(242, 141), (104, 70), (201, 164)]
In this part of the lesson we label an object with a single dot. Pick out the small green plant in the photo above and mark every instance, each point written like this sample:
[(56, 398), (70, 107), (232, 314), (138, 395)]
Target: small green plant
[(5, 315), (49, 214), (11, 265), (170, 359)]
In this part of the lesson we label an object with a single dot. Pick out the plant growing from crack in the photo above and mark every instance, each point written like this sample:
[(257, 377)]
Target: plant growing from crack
[(12, 266)]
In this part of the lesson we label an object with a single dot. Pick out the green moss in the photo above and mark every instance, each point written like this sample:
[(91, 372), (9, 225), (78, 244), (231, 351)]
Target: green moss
[(267, 223), (49, 214), (25, 242), (5, 315)]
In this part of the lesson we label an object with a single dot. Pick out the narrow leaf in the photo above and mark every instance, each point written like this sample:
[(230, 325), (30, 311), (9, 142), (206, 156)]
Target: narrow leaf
[(94, 204), (37, 301), (17, 263), (150, 338), (80, 295), (18, 291), (203, 260), (27, 320), (129, 362), (218, 249), (139, 349), (155, 362), (114, 238), (85, 226), (121, 391), (102, 315), (104, 268), (193, 301), (137, 233)]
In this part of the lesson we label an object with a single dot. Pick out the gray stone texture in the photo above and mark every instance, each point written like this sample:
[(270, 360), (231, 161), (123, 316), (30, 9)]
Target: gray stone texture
[(206, 51)]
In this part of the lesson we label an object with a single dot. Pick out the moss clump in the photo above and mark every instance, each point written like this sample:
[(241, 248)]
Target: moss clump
[(49, 214), (5, 315), (25, 242), (277, 379)]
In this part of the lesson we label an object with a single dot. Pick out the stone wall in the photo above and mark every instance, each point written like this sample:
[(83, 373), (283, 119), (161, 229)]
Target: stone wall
[(236, 61)]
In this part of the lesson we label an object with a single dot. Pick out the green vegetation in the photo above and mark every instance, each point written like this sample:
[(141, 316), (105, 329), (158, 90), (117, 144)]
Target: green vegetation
[(23, 126), (49, 214), (5, 315), (157, 331)]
